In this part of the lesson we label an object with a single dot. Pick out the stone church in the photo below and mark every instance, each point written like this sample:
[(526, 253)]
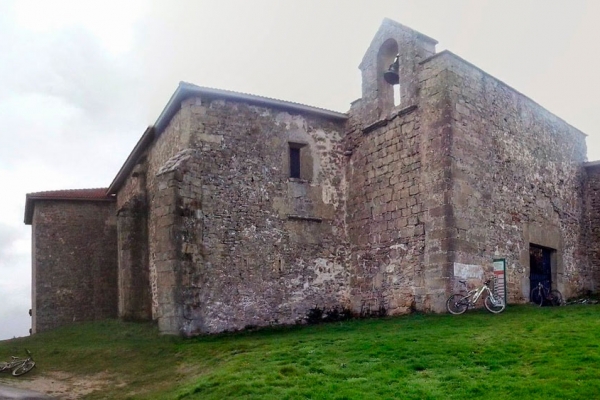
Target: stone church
[(235, 210)]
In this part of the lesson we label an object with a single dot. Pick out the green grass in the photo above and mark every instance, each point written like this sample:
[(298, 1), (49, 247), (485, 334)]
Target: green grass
[(525, 352)]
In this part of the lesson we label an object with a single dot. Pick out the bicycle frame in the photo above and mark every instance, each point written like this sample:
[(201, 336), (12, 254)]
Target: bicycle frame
[(544, 295), (476, 293), (14, 362), (543, 289), (459, 303), (17, 363)]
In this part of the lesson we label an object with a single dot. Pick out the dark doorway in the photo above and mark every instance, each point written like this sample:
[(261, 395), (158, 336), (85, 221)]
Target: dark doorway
[(540, 266)]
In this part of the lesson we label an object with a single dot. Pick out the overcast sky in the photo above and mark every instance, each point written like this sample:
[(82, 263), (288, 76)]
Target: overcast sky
[(81, 80)]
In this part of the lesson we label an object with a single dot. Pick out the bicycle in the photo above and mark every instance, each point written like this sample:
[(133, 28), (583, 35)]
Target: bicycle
[(459, 303), (18, 366), (540, 295)]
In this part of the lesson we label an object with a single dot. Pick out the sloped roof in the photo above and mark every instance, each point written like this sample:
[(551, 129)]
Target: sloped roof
[(96, 194), (186, 90), (591, 164)]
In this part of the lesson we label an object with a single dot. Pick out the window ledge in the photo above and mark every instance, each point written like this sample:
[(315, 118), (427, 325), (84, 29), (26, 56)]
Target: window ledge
[(304, 218), (298, 180)]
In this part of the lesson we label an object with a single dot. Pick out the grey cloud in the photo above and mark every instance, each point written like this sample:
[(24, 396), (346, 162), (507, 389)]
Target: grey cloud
[(67, 100), (15, 281), (72, 66), (8, 235), (16, 322)]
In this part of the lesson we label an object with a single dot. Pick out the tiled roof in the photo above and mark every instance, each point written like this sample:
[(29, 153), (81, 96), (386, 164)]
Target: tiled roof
[(96, 194), (263, 100)]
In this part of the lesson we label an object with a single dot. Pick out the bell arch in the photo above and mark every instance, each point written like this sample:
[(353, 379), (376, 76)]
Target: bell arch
[(412, 47), (389, 94)]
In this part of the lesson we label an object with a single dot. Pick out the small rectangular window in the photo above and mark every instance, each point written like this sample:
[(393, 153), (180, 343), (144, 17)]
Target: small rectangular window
[(294, 162)]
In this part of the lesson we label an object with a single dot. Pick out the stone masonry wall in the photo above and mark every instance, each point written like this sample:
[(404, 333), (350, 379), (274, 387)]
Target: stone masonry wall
[(385, 223), (74, 263), (397, 175), (134, 275), (517, 180), (391, 207), (162, 256), (591, 226), (137, 216), (236, 242)]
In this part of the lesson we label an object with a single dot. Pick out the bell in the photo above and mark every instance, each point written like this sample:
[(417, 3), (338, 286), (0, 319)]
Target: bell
[(391, 75)]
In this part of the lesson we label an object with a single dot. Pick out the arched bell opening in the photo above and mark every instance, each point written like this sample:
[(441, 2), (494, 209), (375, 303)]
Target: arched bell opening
[(388, 76)]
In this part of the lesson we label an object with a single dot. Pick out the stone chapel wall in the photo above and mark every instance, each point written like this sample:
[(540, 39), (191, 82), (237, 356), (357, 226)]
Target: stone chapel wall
[(517, 179), (74, 263), (244, 211), (385, 215), (236, 241), (138, 212), (398, 172), (591, 227)]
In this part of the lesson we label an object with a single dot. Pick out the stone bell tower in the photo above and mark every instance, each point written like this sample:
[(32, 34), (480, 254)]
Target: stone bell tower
[(398, 178), (378, 96)]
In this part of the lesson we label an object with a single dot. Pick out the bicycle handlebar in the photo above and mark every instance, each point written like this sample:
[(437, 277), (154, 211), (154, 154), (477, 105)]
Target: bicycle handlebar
[(465, 282)]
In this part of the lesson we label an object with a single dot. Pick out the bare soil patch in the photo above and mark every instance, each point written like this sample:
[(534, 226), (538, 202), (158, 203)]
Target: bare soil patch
[(60, 384)]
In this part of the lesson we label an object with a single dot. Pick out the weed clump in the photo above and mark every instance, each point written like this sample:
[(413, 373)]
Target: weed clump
[(318, 315), (368, 312)]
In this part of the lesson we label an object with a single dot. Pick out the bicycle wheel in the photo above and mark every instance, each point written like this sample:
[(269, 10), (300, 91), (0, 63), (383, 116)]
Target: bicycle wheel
[(457, 304), (24, 368), (494, 305), (537, 296), (556, 298)]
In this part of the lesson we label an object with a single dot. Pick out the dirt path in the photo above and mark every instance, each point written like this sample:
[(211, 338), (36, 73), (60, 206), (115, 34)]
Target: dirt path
[(59, 384)]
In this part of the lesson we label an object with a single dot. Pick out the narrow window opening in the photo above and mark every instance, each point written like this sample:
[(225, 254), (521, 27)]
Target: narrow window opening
[(294, 162)]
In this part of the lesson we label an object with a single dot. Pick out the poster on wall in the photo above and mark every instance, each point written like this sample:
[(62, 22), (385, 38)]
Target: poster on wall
[(500, 275)]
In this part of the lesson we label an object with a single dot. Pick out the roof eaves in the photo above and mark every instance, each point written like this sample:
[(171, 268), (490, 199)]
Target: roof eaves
[(31, 198), (191, 89), (185, 90), (141, 146), (591, 164)]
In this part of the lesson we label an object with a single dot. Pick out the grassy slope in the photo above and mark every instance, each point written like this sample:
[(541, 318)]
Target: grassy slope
[(525, 352)]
